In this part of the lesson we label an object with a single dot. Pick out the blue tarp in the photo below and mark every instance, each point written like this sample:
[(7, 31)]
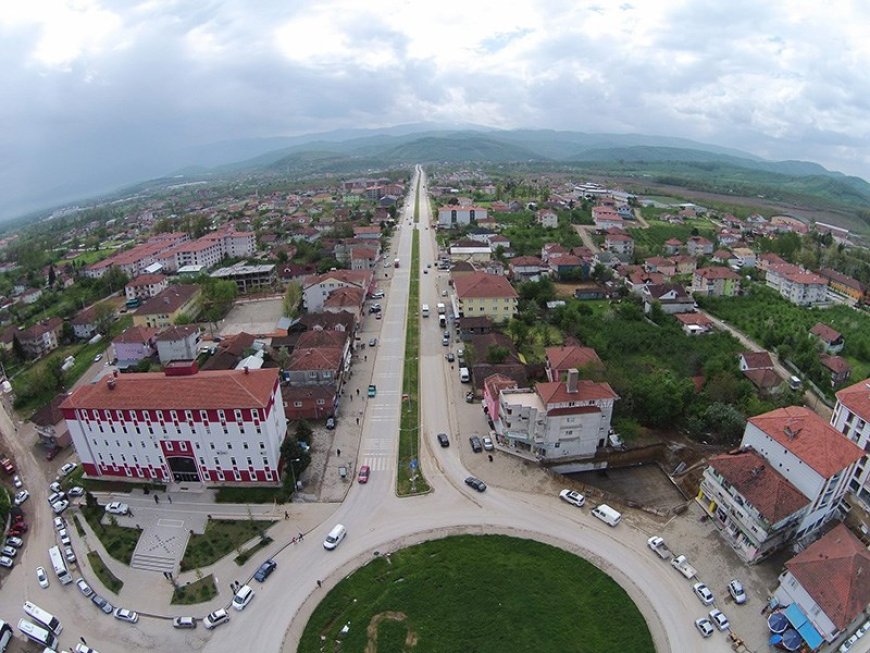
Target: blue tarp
[(791, 640), (807, 631), (777, 622)]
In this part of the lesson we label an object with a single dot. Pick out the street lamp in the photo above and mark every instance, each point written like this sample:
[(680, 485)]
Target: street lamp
[(293, 472)]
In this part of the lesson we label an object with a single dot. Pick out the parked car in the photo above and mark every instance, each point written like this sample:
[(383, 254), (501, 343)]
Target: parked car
[(6, 561), (59, 522), (69, 554), (215, 619), (373, 342), (184, 622), (735, 589), (719, 619), (703, 593), (59, 506), (64, 536), (450, 357), (704, 626), (123, 614), (9, 551), (54, 497), (84, 588), (67, 469), (17, 542), (16, 481), (487, 443), (243, 597), (364, 472), (117, 508), (373, 390), (102, 604), (21, 497), (84, 648), (476, 483), (476, 446), (98, 358), (51, 453), (265, 570), (55, 487), (76, 491), (443, 440), (330, 423), (572, 497), (41, 577)]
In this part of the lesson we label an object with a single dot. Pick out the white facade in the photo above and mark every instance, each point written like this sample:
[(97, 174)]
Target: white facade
[(453, 216), (852, 418), (129, 433), (178, 344), (791, 591)]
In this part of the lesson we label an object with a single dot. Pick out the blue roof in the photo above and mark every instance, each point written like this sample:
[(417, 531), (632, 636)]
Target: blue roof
[(807, 631)]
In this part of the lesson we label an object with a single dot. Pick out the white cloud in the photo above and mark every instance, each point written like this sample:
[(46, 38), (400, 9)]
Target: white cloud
[(83, 78)]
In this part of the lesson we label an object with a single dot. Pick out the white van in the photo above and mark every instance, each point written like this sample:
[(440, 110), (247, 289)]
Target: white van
[(607, 514), (336, 535), (794, 382), (464, 375)]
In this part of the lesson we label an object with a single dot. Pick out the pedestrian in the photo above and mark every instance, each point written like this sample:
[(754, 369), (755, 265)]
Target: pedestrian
[(366, 358), (300, 537), (286, 515), (84, 641), (156, 499), (357, 421), (490, 457), (169, 497), (293, 541), (357, 392), (319, 583), (338, 452)]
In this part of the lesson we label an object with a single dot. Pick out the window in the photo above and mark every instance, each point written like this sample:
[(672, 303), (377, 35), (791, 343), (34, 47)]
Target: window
[(168, 446), (183, 446), (233, 462), (211, 445), (320, 402), (238, 415), (250, 462), (297, 404)]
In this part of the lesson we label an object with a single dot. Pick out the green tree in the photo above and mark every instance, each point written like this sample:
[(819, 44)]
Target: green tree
[(496, 355), (103, 314)]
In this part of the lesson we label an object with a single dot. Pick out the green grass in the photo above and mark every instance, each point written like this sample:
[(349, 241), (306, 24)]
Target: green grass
[(107, 578), (247, 554), (199, 591), (119, 542), (410, 481), (481, 593), (221, 537), (653, 239), (252, 495)]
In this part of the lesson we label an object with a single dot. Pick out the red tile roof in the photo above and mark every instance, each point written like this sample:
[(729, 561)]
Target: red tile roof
[(155, 391), (834, 572), (177, 333), (764, 379), (136, 335), (482, 285), (757, 360), (566, 358), (717, 273), (556, 392), (307, 359), (857, 399), (810, 438), (826, 333), (698, 319), (837, 364), (762, 486), (169, 300)]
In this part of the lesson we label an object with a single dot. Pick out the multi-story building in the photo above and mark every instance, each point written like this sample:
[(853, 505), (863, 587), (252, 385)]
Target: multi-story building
[(134, 262), (460, 216), (317, 288), (852, 418), (208, 427), (178, 343), (135, 344), (804, 288), (481, 294), (716, 282), (146, 286), (560, 360), (248, 277), (556, 420), (40, 338), (163, 310), (809, 454)]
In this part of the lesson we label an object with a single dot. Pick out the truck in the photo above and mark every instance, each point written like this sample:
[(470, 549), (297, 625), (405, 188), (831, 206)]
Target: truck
[(425, 310), (442, 309), (681, 564), (658, 545)]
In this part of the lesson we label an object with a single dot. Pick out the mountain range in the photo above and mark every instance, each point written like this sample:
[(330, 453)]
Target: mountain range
[(667, 160)]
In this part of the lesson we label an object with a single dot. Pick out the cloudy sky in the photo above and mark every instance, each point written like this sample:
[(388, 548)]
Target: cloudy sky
[(98, 93)]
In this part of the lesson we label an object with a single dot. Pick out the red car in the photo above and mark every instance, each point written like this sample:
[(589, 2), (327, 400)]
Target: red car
[(364, 474)]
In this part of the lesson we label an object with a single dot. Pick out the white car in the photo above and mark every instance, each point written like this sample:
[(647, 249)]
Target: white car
[(17, 542), (126, 615), (704, 626), (54, 497), (243, 597), (117, 508), (21, 497), (16, 481), (76, 491), (735, 589), (6, 561), (83, 648), (572, 497), (67, 469), (719, 619), (60, 506), (64, 537), (55, 486), (9, 551), (84, 588), (487, 443), (703, 593), (59, 522), (41, 578), (215, 619), (69, 554), (846, 646)]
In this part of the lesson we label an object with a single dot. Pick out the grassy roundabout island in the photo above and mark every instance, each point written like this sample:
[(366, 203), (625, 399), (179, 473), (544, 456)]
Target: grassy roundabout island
[(478, 593)]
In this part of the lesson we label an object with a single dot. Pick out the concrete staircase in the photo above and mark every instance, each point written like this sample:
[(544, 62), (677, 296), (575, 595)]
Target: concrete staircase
[(160, 551)]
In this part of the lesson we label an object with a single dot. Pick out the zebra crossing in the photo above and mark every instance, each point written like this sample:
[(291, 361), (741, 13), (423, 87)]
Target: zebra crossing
[(377, 462)]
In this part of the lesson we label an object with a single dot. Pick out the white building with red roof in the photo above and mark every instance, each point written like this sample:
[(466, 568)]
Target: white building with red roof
[(560, 360), (824, 588), (557, 420), (810, 453), (316, 289), (208, 427), (146, 286), (804, 288), (852, 418), (755, 507)]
